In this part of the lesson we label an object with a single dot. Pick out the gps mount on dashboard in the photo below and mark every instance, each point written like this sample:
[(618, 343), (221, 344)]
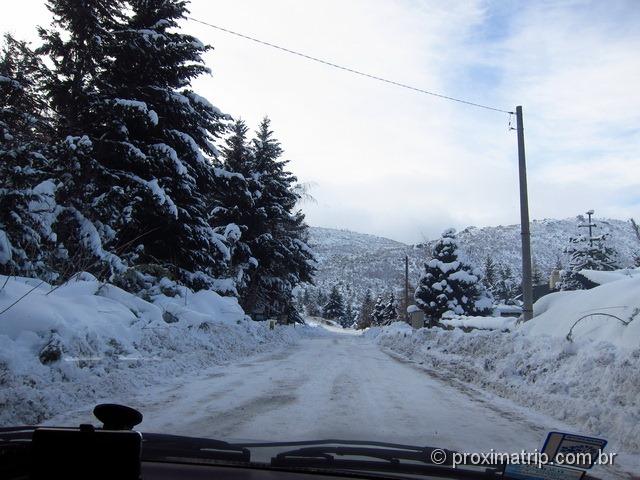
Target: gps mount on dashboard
[(113, 451)]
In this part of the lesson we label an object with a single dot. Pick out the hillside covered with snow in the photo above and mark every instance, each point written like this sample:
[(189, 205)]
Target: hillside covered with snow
[(367, 261)]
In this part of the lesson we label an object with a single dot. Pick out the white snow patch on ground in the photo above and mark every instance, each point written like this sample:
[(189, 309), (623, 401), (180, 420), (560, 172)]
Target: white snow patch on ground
[(86, 341)]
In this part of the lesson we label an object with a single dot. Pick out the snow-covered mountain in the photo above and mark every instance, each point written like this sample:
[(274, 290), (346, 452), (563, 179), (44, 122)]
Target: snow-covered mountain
[(360, 261)]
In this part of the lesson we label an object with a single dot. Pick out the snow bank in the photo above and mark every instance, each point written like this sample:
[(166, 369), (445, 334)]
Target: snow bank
[(484, 323), (591, 382), (62, 347), (602, 314), (600, 278)]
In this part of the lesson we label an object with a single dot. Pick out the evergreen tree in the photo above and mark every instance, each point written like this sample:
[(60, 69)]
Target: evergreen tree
[(235, 205), (136, 162), (334, 309), (26, 196), (275, 233), (536, 275), (390, 310), (90, 197), (586, 255), (348, 318), (449, 284), (506, 288), (490, 277), (166, 133), (378, 311), (366, 311)]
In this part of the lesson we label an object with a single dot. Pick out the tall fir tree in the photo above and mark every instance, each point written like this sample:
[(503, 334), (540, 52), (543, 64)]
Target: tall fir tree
[(377, 315), (366, 311), (136, 160), (276, 234), (166, 134), (449, 284), (27, 195), (390, 311), (235, 204), (348, 318), (506, 288), (90, 196), (490, 276), (334, 309)]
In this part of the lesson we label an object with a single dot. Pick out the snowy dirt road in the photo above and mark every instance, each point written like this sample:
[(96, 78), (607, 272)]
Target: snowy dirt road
[(339, 386)]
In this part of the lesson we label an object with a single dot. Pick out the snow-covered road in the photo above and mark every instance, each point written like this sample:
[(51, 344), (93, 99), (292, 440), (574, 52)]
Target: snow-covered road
[(341, 386), (338, 386)]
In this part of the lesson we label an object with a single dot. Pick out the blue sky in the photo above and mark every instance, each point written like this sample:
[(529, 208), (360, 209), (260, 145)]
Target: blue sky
[(395, 163)]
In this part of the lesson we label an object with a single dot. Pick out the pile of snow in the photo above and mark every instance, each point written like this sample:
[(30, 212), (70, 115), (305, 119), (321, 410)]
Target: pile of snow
[(591, 381), (608, 313), (483, 323), (86, 340), (600, 277)]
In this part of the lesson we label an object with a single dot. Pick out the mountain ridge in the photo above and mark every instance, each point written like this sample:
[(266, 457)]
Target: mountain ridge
[(360, 261)]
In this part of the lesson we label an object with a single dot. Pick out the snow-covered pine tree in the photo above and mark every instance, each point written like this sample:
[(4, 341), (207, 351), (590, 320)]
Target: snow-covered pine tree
[(449, 284), (165, 134), (366, 311), (26, 195), (377, 315), (490, 277), (390, 311), (279, 238), (536, 274), (348, 317), (334, 309), (506, 288), (585, 255), (89, 196), (235, 205), (136, 170)]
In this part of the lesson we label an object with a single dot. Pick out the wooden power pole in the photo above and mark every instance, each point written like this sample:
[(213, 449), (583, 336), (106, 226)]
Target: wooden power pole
[(527, 288)]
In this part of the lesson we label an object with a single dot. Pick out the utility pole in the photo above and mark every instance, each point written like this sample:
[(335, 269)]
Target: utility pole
[(527, 289), (406, 288), (590, 225)]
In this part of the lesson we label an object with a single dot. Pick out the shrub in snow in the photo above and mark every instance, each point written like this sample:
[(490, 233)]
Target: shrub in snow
[(449, 284)]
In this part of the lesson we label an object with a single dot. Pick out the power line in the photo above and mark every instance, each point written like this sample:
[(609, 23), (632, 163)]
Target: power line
[(347, 69)]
